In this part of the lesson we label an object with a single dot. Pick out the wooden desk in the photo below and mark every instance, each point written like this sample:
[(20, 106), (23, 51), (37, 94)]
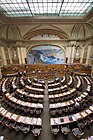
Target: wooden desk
[(19, 118), (29, 95), (71, 118), (68, 103), (20, 102)]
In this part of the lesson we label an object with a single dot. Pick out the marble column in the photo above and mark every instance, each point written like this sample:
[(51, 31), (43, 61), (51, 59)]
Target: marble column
[(88, 54), (10, 55), (19, 55), (82, 55), (72, 54), (92, 71), (23, 53), (3, 56), (69, 54)]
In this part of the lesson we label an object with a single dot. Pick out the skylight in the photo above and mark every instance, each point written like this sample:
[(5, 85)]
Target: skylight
[(22, 8)]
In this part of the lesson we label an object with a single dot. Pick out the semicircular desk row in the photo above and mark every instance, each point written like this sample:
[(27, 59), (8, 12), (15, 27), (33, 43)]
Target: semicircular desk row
[(23, 103), (19, 118), (4, 85), (18, 122), (70, 102), (65, 86), (88, 89), (72, 118)]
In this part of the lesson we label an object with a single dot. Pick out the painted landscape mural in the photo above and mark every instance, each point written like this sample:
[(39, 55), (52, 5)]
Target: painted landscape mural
[(46, 55)]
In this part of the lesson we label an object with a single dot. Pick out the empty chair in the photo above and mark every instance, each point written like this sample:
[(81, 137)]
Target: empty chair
[(55, 129), (77, 132), (32, 110), (7, 122), (65, 129), (1, 118), (34, 99), (14, 105), (56, 99), (86, 121), (80, 124), (26, 109), (91, 118), (53, 112), (36, 130), (51, 100), (40, 100), (4, 121), (25, 128), (65, 109), (62, 99), (38, 111), (59, 111), (17, 126), (71, 109), (11, 124)]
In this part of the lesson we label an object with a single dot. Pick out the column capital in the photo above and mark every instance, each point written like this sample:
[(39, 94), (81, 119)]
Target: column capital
[(72, 43)]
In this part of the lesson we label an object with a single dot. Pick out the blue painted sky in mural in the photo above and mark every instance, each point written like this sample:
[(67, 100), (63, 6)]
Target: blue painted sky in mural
[(48, 55)]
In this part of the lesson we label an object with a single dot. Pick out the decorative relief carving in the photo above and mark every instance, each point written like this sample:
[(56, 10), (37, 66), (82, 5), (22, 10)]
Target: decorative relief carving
[(45, 37)]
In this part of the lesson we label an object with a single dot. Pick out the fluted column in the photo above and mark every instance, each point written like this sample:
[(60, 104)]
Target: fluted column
[(3, 55), (88, 54), (23, 54), (19, 55), (73, 52), (0, 66), (10, 56), (69, 54), (82, 55), (92, 70)]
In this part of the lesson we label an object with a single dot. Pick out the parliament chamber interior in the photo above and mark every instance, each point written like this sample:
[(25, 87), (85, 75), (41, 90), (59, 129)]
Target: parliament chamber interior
[(46, 69)]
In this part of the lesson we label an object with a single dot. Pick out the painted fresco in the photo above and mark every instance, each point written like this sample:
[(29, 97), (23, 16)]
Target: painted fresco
[(46, 55)]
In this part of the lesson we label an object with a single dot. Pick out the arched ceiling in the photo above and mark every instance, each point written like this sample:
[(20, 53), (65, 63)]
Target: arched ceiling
[(82, 30), (61, 34), (10, 31)]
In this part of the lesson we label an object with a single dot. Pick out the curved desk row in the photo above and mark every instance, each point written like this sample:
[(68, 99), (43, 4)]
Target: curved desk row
[(34, 89), (71, 118), (4, 85), (22, 103), (62, 94), (68, 103), (58, 84), (29, 95), (19, 118), (65, 86)]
